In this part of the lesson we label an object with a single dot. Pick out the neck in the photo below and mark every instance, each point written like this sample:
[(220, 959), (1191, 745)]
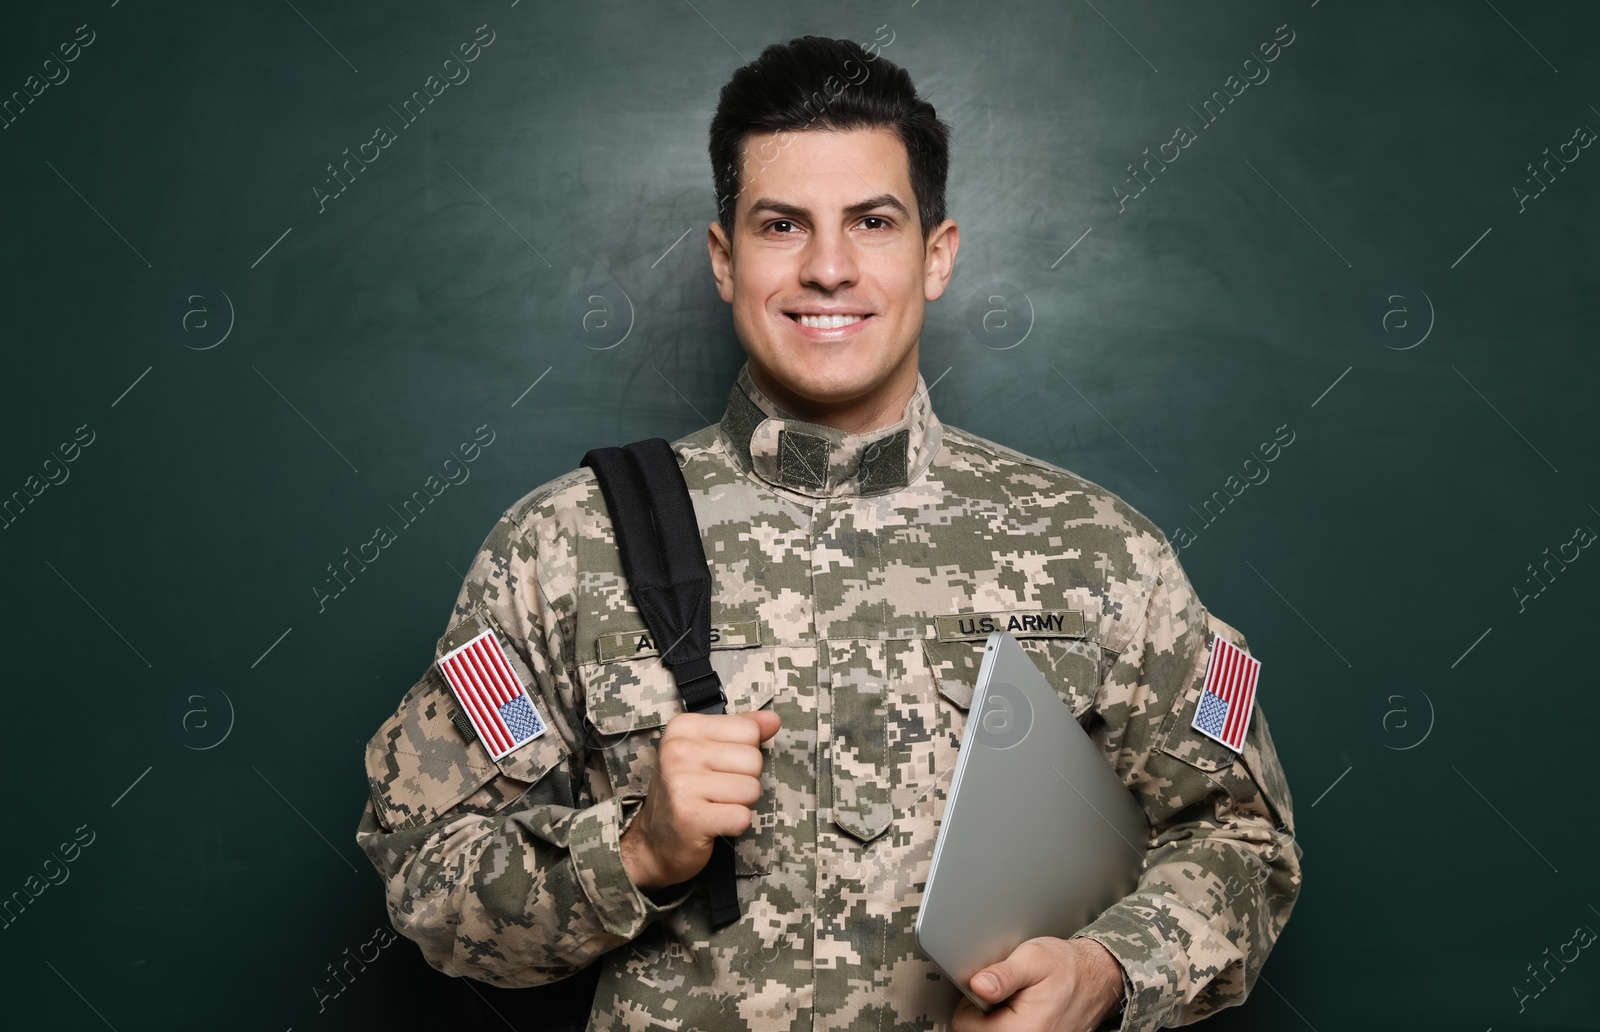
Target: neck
[(780, 448), (880, 408)]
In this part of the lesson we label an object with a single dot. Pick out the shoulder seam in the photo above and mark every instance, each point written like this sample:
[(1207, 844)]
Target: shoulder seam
[(1029, 460), (541, 494), (1012, 453)]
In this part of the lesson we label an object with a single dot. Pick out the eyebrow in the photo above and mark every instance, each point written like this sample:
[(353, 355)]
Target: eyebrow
[(793, 211)]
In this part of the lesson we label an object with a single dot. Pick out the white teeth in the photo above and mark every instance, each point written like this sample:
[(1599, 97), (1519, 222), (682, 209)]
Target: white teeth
[(829, 322)]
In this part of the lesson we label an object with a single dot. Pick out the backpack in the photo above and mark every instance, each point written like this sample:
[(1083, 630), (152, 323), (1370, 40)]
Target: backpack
[(658, 540)]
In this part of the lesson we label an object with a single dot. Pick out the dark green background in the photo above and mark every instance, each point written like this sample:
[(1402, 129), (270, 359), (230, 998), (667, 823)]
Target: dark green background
[(461, 266)]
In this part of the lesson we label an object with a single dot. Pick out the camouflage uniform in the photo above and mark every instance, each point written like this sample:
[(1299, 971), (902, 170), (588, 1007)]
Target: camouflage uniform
[(851, 576)]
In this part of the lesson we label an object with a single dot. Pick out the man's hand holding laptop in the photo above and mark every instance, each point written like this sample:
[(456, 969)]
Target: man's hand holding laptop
[(1046, 985)]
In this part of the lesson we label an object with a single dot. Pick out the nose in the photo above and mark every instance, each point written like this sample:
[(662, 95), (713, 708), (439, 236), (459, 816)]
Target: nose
[(829, 261)]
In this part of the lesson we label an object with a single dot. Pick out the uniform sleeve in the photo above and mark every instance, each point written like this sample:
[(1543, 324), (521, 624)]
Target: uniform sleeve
[(1222, 870), (508, 872)]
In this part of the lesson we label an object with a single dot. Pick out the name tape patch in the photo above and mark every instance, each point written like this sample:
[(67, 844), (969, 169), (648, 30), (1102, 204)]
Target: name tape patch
[(628, 644), (1224, 709), (1061, 623), (491, 695)]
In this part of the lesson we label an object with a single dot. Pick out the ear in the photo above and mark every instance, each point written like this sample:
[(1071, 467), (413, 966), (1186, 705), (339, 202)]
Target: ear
[(939, 259), (721, 249)]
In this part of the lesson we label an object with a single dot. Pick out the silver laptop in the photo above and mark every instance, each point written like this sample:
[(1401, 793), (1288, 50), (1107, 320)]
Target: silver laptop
[(1039, 835)]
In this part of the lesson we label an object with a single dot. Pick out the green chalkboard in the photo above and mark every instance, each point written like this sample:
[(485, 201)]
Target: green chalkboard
[(229, 356)]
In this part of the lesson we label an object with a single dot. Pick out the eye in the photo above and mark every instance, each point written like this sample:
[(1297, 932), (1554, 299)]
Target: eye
[(877, 218), (779, 222)]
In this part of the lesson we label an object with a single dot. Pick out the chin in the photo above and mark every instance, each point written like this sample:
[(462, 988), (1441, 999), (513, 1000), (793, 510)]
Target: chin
[(825, 378)]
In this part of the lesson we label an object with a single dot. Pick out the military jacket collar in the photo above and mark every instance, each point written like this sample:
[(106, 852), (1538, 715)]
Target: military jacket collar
[(821, 461)]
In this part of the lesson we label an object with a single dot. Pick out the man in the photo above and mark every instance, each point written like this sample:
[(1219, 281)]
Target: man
[(848, 532)]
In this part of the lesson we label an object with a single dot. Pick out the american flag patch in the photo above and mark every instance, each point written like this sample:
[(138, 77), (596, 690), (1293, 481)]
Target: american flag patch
[(1229, 691), (491, 695)]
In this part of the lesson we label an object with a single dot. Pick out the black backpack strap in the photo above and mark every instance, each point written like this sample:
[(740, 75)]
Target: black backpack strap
[(664, 561)]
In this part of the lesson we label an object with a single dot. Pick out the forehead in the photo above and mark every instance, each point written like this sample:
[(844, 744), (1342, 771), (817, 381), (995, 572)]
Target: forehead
[(823, 169)]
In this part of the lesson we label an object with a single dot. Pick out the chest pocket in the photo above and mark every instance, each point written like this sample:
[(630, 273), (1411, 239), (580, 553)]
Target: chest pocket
[(425, 759), (1071, 665), (631, 699), (898, 712)]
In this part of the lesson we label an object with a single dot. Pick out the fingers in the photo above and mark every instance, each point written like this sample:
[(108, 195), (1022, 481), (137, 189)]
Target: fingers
[(727, 758), (707, 778), (767, 721), (967, 1018), (1027, 965), (704, 804), (724, 819), (717, 787), (739, 728), (992, 984), (685, 754)]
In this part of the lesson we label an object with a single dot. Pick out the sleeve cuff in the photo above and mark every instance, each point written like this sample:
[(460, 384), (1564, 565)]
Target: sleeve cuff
[(1149, 988), (595, 846)]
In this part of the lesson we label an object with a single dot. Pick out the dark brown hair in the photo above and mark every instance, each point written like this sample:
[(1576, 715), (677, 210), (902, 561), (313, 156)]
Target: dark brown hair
[(817, 83)]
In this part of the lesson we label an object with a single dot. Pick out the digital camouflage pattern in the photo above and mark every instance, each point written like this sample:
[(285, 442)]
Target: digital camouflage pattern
[(850, 573)]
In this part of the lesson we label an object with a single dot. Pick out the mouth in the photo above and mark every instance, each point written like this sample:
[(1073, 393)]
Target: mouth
[(829, 327)]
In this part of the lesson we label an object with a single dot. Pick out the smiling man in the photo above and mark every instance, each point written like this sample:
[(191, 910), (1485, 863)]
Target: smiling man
[(853, 540)]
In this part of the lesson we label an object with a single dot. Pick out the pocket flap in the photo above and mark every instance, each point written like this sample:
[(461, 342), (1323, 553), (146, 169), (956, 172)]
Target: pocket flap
[(418, 763), (632, 694), (954, 666), (1070, 664)]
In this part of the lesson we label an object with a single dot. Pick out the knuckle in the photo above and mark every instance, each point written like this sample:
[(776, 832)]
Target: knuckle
[(688, 787), (683, 725), (748, 760), (720, 819), (673, 752)]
